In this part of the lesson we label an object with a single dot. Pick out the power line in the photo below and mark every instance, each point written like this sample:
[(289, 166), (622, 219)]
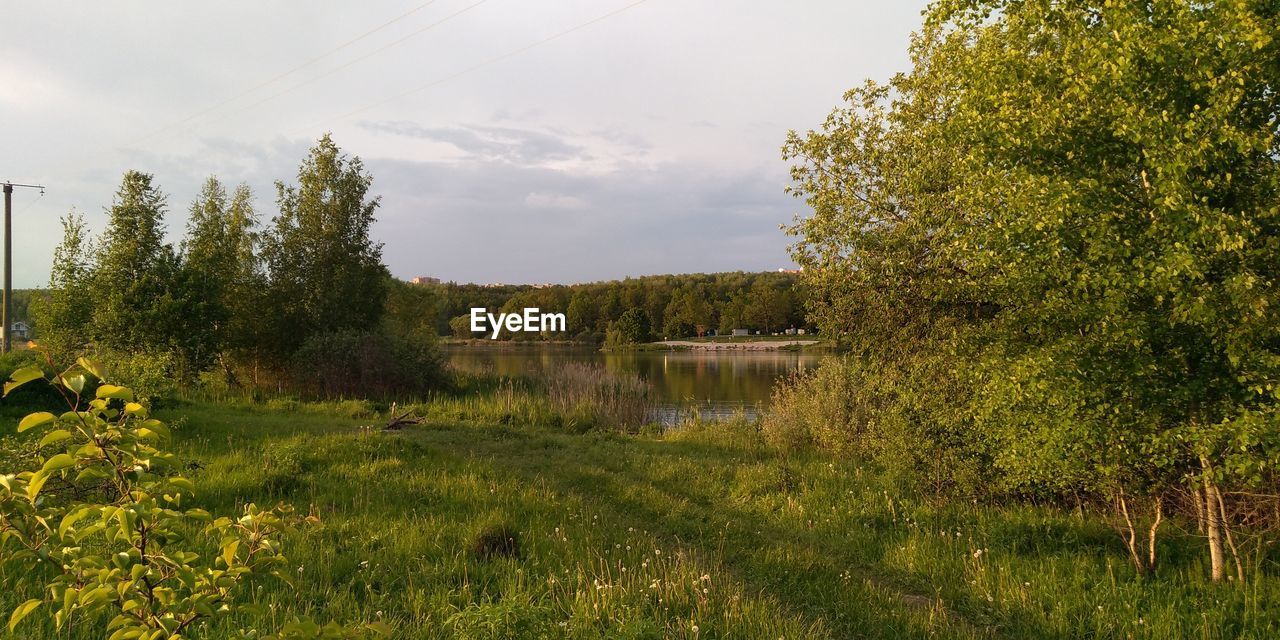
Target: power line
[(477, 66), (284, 74), (347, 64)]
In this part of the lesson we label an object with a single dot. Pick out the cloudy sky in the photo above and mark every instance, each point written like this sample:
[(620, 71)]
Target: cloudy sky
[(510, 140)]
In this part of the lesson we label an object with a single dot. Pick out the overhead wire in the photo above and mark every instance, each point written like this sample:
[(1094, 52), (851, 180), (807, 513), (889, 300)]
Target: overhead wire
[(490, 61), (283, 74), (345, 65)]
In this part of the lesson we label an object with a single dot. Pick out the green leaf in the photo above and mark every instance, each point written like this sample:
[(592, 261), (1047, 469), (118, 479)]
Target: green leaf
[(22, 376), (58, 463), (71, 519), (92, 366), (182, 484), (229, 552), (35, 484), (74, 383), (22, 611), (57, 435), (116, 392), (34, 420), (155, 426)]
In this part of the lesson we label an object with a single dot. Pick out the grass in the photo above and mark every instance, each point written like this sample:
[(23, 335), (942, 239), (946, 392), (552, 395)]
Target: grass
[(475, 529)]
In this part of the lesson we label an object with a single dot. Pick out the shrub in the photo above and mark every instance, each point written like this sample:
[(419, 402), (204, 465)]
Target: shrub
[(150, 374), (126, 544), (379, 364), (822, 407), (901, 417)]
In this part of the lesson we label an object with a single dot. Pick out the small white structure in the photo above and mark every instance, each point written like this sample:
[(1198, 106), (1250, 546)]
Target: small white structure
[(19, 330), (741, 332)]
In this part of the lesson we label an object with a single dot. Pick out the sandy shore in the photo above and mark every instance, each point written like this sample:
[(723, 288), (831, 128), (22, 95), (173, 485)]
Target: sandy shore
[(760, 345)]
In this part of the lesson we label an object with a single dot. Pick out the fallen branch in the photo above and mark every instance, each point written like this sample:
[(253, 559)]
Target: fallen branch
[(401, 421)]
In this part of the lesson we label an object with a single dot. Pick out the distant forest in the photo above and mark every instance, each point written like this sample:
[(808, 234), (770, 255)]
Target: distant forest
[(671, 306), (663, 306)]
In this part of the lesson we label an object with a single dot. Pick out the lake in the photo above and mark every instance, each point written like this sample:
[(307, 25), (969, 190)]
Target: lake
[(715, 384)]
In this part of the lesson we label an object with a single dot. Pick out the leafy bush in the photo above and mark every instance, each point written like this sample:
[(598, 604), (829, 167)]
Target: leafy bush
[(899, 417), (150, 374), (106, 512), (379, 364)]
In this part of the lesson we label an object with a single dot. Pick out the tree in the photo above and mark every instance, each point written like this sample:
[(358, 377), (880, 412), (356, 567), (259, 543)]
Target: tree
[(144, 300), (631, 328), (767, 306), (62, 315), (1077, 200), (324, 270), (688, 313), (220, 252)]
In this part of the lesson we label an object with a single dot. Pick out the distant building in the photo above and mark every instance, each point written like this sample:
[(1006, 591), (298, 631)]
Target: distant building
[(19, 330), (424, 280), (791, 271)]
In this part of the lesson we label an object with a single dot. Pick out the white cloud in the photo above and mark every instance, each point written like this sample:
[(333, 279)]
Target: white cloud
[(553, 201)]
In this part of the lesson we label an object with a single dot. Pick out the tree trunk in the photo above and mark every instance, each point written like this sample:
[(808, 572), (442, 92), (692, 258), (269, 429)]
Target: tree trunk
[(1231, 543), (1151, 533), (1213, 522)]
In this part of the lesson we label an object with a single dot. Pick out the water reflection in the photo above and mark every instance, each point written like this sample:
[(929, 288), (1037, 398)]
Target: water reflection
[(712, 383)]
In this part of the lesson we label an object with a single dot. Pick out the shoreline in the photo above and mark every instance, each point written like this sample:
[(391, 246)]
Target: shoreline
[(746, 345)]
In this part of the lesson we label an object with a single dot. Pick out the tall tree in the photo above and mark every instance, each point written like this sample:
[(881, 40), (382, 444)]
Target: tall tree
[(1078, 201), (62, 315), (324, 270), (133, 267), (220, 252)]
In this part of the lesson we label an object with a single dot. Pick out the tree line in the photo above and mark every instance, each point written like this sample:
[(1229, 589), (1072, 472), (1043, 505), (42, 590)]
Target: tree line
[(636, 310), (300, 301), (1053, 246)]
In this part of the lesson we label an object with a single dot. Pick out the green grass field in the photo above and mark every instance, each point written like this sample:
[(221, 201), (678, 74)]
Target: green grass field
[(467, 530)]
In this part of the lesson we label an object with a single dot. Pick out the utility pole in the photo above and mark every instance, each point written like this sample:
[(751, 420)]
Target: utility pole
[(7, 317)]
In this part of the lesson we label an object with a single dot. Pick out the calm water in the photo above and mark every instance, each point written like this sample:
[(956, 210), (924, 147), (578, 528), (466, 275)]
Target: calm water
[(715, 384)]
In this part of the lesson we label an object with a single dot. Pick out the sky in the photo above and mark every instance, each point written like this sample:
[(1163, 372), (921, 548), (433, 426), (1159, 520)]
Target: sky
[(514, 141)]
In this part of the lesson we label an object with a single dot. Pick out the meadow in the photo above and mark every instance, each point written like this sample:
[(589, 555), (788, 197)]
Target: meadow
[(472, 525)]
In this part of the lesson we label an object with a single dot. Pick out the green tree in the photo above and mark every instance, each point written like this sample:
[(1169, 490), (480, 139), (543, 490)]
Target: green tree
[(63, 314), (144, 299), (133, 267), (325, 273), (631, 328), (1077, 200), (220, 252)]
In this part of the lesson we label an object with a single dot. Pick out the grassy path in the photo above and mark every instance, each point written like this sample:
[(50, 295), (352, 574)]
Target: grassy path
[(450, 531)]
